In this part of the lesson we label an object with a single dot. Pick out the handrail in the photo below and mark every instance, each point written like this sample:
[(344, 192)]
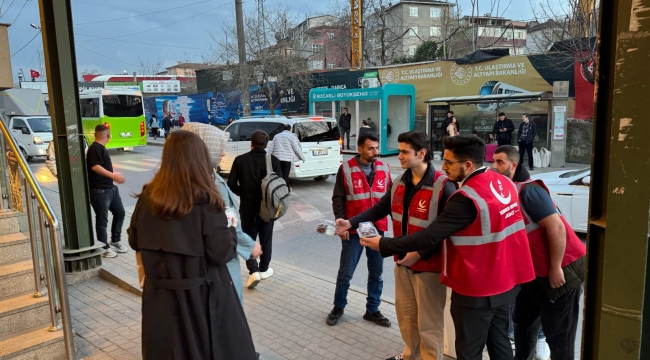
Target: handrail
[(52, 225)]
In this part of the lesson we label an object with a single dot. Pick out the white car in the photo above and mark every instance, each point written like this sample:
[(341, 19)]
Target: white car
[(319, 138), (570, 192)]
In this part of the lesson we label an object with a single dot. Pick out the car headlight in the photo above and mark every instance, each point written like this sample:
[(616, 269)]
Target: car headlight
[(37, 140)]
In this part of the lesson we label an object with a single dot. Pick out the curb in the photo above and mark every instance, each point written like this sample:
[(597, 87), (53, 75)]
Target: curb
[(151, 143)]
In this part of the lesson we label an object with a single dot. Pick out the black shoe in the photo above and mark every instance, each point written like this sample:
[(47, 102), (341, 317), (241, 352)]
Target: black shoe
[(531, 169), (398, 357), (377, 318), (334, 316), (257, 355)]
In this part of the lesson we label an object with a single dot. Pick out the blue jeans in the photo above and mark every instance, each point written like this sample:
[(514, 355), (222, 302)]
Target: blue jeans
[(351, 251), (103, 201)]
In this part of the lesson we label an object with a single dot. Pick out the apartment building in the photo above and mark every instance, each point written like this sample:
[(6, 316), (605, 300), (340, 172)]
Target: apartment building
[(488, 32), (321, 40)]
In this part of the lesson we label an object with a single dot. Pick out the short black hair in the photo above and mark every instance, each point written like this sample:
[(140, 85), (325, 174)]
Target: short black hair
[(511, 152), (287, 127), (450, 112), (502, 114), (366, 135), (527, 116), (364, 122), (259, 139), (466, 148), (345, 108), (418, 140)]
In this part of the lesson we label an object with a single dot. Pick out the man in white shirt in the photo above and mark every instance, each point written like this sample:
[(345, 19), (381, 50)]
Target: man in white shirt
[(286, 147)]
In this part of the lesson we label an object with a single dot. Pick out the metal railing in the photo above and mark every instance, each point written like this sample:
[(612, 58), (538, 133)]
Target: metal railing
[(44, 233)]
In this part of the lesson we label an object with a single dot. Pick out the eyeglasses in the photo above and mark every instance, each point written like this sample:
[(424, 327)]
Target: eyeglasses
[(448, 163)]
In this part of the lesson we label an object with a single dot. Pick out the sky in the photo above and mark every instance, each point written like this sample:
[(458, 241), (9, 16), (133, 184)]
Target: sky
[(113, 36)]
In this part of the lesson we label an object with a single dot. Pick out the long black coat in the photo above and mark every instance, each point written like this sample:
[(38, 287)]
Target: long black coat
[(190, 309)]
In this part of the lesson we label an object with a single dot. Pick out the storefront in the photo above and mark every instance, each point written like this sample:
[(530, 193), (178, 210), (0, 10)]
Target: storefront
[(391, 107)]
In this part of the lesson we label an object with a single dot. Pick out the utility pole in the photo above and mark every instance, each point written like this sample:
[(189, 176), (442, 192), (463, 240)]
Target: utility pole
[(243, 67)]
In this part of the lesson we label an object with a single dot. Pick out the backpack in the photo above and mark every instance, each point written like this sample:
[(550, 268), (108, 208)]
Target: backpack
[(275, 194)]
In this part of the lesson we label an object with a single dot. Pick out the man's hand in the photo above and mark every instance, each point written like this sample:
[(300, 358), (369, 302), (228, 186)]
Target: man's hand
[(410, 259), (372, 243), (342, 225), (257, 251), (556, 277), (118, 178), (344, 235)]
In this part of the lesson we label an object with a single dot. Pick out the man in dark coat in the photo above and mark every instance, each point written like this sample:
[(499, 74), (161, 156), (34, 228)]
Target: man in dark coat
[(167, 125), (345, 121), (525, 137), (503, 128)]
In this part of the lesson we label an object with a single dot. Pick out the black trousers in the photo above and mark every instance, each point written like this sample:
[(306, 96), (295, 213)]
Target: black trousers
[(559, 322), (345, 133), (253, 226), (502, 142), (526, 148), (476, 327), (286, 169)]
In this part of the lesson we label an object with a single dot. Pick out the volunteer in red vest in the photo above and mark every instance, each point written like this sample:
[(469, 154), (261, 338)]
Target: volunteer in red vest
[(360, 183), (416, 198), (484, 247), (559, 260)]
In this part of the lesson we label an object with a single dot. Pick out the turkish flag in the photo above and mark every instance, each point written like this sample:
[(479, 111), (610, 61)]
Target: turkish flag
[(34, 74)]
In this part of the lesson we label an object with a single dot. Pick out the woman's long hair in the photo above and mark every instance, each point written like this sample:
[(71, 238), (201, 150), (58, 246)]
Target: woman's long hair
[(185, 176)]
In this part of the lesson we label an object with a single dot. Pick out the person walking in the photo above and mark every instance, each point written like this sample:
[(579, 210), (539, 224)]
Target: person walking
[(179, 228), (345, 121), (416, 198), (286, 147), (452, 128), (181, 120), (154, 124), (167, 125), (360, 183), (503, 128), (559, 258), (485, 249), (525, 137), (104, 194), (245, 180)]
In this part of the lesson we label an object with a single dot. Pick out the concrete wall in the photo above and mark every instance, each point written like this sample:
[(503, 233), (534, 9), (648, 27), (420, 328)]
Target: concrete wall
[(6, 80), (578, 143)]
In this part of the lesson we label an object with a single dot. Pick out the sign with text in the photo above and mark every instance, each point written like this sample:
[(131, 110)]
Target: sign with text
[(560, 89), (161, 86)]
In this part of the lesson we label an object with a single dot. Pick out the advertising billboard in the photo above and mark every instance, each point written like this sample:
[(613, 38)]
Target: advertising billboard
[(161, 86)]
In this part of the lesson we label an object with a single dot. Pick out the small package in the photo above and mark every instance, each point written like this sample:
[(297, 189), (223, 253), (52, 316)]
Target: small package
[(367, 230), (326, 227)]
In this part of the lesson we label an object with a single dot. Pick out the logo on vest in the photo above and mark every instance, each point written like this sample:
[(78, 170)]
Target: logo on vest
[(380, 184), (422, 206), (499, 195), (358, 183)]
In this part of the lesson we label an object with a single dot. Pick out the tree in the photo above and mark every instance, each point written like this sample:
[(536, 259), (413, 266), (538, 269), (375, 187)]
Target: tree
[(449, 24), (427, 51)]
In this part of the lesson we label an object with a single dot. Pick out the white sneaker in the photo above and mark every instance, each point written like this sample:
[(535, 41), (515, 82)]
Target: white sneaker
[(109, 253), (253, 280), (120, 248), (543, 351), (266, 274)]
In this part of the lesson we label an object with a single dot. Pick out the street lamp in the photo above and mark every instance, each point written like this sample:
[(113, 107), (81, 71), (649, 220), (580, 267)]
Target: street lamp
[(35, 26)]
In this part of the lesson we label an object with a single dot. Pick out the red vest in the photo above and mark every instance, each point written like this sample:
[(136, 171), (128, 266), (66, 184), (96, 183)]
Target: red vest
[(422, 210), (491, 256), (360, 195), (538, 240)]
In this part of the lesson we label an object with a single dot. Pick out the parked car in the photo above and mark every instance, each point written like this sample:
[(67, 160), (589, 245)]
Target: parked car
[(319, 137), (570, 192)]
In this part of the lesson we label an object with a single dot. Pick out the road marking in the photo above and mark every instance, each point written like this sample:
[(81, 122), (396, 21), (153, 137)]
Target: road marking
[(131, 168), (141, 163), (306, 211)]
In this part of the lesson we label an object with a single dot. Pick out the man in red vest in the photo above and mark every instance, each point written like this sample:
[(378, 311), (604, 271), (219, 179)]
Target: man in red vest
[(558, 257), (482, 236), (360, 183), (416, 198)]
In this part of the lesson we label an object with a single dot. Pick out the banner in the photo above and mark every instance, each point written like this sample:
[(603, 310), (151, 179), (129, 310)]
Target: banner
[(584, 92), (161, 86)]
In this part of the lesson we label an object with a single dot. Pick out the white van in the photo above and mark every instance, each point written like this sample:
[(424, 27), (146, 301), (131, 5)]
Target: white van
[(319, 138), (32, 133)]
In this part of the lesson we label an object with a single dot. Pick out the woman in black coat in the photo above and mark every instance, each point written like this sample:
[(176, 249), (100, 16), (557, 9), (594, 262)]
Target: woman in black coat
[(190, 309)]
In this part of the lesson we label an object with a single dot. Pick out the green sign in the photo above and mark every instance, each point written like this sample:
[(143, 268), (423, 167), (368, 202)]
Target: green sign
[(372, 74), (123, 83)]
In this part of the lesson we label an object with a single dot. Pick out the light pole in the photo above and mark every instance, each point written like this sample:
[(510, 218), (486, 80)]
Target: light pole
[(41, 60)]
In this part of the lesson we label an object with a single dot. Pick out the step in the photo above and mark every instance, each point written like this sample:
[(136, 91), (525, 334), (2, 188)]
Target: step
[(14, 247), (22, 312), (16, 278), (34, 345), (9, 222)]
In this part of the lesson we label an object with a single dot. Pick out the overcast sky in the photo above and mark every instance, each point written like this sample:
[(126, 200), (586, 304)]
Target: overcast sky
[(170, 30)]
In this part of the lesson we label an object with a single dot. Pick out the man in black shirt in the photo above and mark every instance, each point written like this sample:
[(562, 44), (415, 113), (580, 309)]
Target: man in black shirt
[(245, 180), (345, 122), (504, 129), (104, 195)]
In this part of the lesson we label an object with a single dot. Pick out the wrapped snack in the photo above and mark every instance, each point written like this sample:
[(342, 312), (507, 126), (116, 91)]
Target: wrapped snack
[(326, 227), (367, 230)]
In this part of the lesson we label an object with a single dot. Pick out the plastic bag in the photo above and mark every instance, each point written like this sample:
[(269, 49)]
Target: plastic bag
[(545, 156), (326, 227), (367, 230), (537, 160)]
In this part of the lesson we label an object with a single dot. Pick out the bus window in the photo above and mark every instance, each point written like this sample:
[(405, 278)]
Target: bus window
[(89, 107), (122, 106)]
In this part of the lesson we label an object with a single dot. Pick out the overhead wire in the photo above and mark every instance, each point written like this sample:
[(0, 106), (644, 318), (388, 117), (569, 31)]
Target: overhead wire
[(8, 7), (139, 15), (24, 46), (17, 16)]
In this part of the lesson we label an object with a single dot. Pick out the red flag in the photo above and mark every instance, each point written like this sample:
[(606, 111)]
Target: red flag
[(35, 74)]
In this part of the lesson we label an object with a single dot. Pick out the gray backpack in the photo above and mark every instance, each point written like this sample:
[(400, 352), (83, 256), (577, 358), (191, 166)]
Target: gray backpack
[(275, 194)]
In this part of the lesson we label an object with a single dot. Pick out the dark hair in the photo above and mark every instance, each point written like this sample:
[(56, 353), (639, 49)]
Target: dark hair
[(502, 114), (100, 128), (287, 127), (345, 108), (527, 116), (364, 122), (366, 135), (259, 139), (511, 152), (418, 140), (450, 112), (466, 148)]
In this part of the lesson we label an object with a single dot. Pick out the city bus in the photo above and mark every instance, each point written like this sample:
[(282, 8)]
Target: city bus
[(122, 111)]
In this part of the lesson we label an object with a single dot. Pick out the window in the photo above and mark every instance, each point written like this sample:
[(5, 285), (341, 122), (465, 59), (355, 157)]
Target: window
[(316, 64), (122, 105), (40, 124), (233, 130), (412, 48), (330, 66), (413, 10), (520, 34), (89, 107), (434, 31), (19, 125), (330, 36), (414, 30), (434, 12), (316, 48), (246, 129)]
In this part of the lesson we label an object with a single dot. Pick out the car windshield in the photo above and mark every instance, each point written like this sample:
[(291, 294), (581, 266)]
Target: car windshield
[(317, 131), (571, 174), (40, 125), (123, 105)]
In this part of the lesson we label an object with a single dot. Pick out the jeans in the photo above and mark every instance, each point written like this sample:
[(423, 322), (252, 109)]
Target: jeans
[(345, 133), (253, 226), (526, 148), (103, 201), (286, 169), (351, 251)]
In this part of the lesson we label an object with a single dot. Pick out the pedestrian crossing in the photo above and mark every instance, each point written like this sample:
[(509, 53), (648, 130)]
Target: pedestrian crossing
[(141, 165)]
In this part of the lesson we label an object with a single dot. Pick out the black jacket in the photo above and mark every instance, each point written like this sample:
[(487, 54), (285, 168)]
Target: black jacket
[(246, 176), (532, 132), (448, 121), (167, 123), (345, 121), (505, 124)]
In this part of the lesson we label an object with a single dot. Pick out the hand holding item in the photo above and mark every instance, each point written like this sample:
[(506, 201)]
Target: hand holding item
[(327, 227), (410, 259), (344, 235), (342, 225), (372, 242)]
